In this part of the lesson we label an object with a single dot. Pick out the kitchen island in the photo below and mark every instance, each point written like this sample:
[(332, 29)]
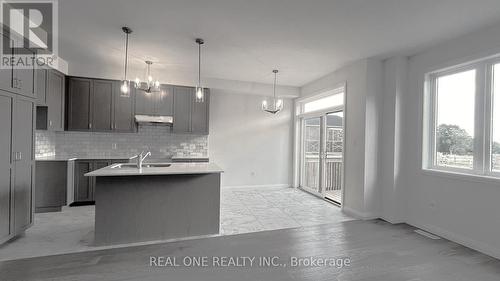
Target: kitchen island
[(156, 202)]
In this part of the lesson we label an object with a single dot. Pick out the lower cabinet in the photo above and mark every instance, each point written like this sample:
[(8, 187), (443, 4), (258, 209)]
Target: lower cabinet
[(51, 185), (84, 186)]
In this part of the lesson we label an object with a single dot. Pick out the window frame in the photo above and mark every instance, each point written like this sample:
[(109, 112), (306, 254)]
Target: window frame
[(483, 119)]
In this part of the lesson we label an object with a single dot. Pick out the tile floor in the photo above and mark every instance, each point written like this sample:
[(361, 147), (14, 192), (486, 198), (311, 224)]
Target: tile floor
[(242, 211)]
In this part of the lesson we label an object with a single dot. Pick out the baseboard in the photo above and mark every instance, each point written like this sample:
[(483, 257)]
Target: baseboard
[(358, 214), (460, 239), (258, 186)]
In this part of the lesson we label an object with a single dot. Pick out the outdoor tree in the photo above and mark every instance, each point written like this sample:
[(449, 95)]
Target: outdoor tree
[(451, 139)]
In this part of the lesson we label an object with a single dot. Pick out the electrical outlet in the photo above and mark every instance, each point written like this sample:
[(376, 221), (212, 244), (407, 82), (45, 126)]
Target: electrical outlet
[(113, 146)]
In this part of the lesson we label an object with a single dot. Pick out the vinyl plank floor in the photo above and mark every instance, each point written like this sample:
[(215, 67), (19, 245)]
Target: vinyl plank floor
[(377, 251), (243, 210)]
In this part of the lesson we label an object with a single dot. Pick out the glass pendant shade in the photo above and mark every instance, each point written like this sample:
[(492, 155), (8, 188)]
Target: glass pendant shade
[(125, 88), (200, 94), (125, 85)]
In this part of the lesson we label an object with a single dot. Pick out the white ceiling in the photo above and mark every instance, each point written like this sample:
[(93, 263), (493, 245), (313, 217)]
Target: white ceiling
[(246, 39)]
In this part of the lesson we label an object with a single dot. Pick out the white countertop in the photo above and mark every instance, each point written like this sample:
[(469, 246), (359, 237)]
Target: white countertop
[(72, 158), (174, 169)]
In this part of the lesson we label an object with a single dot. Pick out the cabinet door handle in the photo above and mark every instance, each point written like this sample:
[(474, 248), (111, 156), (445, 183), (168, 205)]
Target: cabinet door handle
[(50, 123), (90, 125)]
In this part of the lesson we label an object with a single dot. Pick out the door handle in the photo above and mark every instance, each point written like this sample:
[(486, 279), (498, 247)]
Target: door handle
[(17, 156)]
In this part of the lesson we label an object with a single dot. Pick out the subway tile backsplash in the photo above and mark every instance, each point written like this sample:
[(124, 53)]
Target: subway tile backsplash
[(157, 139)]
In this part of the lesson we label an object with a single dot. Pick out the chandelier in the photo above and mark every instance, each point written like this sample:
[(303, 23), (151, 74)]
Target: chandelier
[(149, 85), (273, 105)]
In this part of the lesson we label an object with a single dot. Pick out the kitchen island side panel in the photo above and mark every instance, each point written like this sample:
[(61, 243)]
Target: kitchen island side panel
[(146, 208)]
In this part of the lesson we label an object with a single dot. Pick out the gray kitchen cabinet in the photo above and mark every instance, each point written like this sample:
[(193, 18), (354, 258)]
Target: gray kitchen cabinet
[(183, 99), (41, 86), (23, 79), (6, 194), (50, 182), (6, 74), (83, 185), (22, 145), (190, 117), (165, 101), (78, 105), (200, 115), (19, 80), (102, 105), (155, 103), (96, 105), (16, 164), (144, 102), (123, 110), (55, 100), (96, 165)]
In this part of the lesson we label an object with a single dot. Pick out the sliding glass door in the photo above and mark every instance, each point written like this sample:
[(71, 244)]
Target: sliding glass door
[(322, 155), (333, 167), (311, 152)]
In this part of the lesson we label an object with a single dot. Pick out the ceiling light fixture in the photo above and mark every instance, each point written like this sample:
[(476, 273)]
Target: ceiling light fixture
[(125, 87), (150, 85), (200, 92), (273, 105)]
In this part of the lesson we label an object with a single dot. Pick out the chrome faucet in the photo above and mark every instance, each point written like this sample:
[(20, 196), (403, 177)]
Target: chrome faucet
[(141, 157)]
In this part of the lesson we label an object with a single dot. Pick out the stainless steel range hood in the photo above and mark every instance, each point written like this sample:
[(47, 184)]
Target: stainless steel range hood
[(150, 119)]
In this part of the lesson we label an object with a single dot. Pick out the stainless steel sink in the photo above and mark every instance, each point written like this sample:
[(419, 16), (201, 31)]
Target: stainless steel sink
[(144, 165)]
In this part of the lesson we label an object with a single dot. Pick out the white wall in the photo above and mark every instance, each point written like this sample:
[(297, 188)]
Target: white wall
[(463, 210), (363, 81), (254, 148), (395, 83)]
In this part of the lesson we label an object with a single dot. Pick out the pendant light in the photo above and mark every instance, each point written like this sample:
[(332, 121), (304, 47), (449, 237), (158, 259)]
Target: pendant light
[(273, 105), (125, 87), (200, 92), (150, 85)]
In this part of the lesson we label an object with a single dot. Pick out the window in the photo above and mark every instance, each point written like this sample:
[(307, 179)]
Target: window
[(325, 101), (464, 119), (495, 144), (454, 127)]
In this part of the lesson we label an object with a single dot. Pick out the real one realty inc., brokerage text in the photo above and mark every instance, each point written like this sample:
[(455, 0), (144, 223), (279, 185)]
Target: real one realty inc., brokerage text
[(248, 261)]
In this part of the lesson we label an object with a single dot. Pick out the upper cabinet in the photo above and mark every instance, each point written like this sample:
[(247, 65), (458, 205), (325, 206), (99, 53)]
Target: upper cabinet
[(155, 103), (200, 115), (78, 104), (20, 80), (101, 105), (123, 110), (50, 86), (190, 117), (97, 105), (55, 100)]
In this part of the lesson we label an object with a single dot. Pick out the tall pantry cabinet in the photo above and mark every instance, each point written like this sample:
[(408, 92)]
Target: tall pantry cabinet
[(17, 165)]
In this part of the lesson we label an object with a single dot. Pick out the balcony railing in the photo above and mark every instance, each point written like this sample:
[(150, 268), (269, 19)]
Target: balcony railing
[(333, 172)]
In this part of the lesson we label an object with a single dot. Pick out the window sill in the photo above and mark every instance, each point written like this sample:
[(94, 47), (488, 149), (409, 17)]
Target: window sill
[(487, 179)]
